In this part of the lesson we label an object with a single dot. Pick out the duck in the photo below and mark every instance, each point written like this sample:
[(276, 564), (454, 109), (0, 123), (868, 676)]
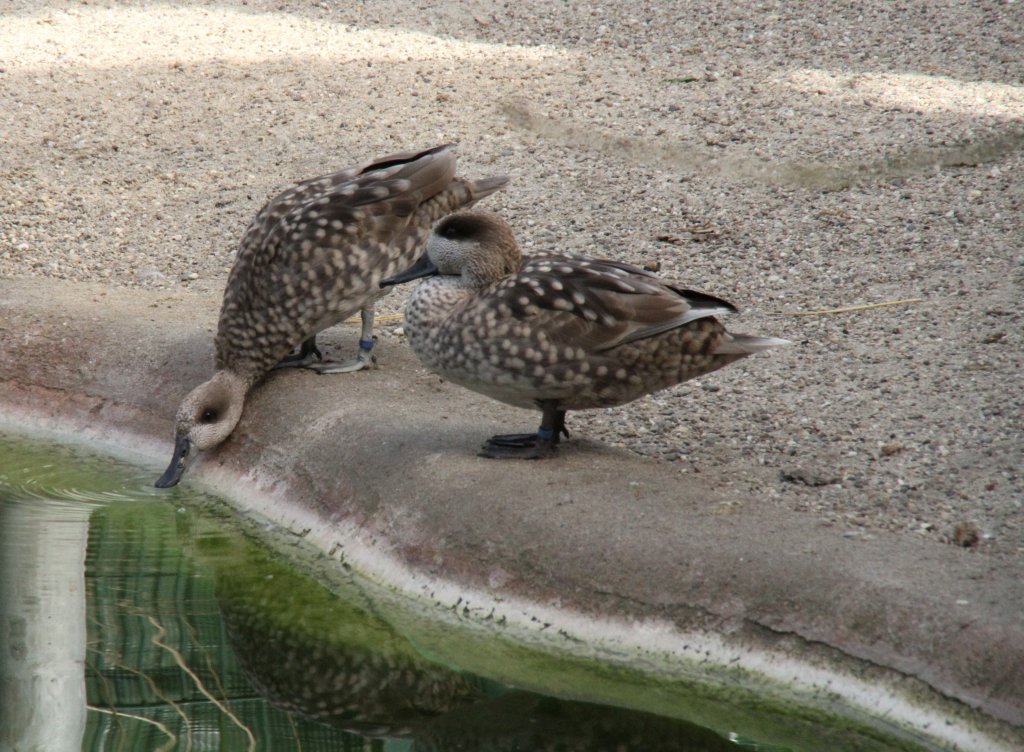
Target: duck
[(555, 332), (312, 257)]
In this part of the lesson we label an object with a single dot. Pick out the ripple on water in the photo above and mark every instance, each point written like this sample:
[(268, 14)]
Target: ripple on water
[(38, 470)]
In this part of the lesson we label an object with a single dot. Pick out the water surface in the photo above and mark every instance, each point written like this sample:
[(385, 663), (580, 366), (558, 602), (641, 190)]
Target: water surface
[(137, 619)]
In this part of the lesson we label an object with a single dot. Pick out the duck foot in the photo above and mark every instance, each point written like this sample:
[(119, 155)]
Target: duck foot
[(308, 354), (364, 360), (530, 446), (514, 439), (361, 361), (310, 358), (518, 446)]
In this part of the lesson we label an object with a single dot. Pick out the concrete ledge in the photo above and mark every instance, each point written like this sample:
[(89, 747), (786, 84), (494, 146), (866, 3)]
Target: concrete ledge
[(380, 468)]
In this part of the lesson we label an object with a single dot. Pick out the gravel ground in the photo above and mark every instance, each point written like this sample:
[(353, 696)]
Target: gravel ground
[(791, 157)]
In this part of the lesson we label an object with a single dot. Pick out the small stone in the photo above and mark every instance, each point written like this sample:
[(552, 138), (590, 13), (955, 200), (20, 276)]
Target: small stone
[(146, 275), (891, 448), (810, 476), (966, 535)]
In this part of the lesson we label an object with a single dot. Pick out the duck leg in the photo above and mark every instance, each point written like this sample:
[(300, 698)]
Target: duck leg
[(530, 446), (366, 343), (307, 354)]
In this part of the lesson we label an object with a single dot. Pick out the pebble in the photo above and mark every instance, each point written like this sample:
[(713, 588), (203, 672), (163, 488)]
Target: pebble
[(809, 476), (966, 535)]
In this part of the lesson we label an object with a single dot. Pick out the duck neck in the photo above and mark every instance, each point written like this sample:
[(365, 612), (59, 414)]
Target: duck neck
[(236, 388), (434, 300)]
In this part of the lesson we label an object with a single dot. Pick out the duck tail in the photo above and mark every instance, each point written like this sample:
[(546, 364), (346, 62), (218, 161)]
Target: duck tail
[(484, 187), (429, 172), (460, 194), (746, 344)]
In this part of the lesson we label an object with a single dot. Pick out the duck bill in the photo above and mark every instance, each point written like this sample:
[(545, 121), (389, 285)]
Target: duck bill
[(180, 460), (422, 268)]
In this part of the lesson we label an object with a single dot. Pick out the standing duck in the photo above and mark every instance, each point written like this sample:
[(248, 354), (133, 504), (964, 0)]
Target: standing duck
[(312, 257), (555, 333)]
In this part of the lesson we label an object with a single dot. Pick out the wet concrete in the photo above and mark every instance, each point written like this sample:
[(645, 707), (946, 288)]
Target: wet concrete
[(379, 469)]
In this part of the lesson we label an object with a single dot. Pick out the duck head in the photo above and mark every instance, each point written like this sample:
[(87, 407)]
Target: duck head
[(479, 247), (206, 417)]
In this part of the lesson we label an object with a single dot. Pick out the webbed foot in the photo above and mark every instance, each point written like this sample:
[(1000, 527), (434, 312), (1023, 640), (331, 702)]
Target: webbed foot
[(308, 354), (364, 359), (530, 446), (522, 446)]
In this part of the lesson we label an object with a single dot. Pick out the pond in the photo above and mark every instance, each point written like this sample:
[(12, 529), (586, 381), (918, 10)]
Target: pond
[(136, 619)]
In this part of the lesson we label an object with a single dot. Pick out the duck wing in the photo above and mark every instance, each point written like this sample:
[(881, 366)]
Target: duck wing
[(598, 304), (316, 228)]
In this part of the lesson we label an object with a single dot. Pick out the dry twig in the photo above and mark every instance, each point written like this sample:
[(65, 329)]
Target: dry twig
[(850, 309)]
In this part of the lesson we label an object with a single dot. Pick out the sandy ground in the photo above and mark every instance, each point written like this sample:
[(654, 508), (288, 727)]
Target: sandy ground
[(790, 157)]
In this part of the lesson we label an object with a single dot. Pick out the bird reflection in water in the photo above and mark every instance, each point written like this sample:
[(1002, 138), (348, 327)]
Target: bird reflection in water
[(311, 653)]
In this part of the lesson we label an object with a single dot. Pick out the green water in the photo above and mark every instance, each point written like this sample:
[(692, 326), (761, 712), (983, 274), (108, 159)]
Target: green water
[(137, 619)]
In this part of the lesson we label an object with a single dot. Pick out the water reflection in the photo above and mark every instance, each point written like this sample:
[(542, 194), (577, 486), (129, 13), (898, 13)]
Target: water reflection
[(521, 721), (134, 622), (340, 664), (42, 632), (330, 660)]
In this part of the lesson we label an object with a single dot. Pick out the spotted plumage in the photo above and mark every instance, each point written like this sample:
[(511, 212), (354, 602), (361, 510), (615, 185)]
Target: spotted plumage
[(312, 257), (556, 332)]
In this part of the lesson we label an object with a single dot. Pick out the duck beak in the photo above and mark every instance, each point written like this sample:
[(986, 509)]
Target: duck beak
[(180, 460), (422, 268)]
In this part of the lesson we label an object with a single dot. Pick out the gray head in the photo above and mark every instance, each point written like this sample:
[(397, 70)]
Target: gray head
[(206, 417), (477, 246)]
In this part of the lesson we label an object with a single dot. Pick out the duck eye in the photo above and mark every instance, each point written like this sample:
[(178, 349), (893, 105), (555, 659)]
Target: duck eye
[(209, 415), (453, 231)]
